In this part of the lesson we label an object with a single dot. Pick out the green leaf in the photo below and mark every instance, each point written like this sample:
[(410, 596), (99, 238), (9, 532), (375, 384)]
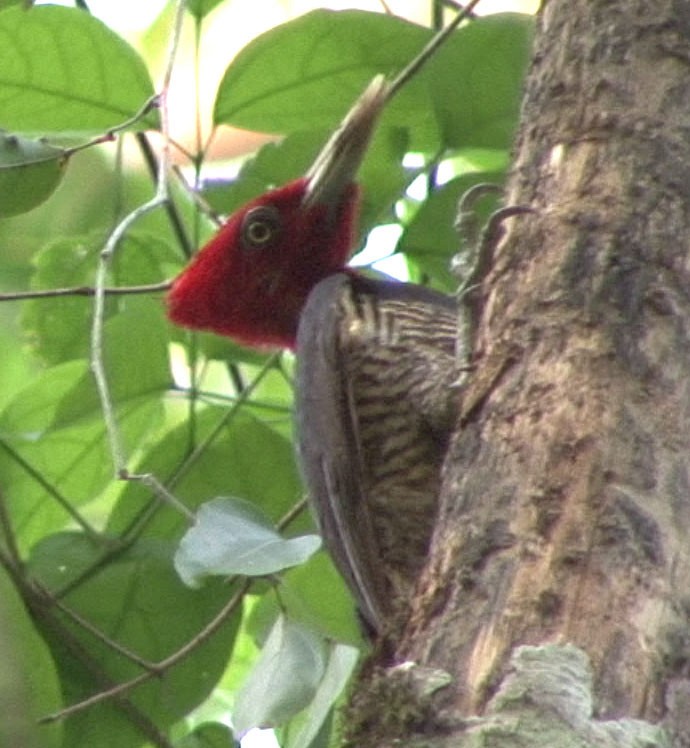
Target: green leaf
[(274, 164), (312, 69), (232, 536), (59, 327), (382, 176), (63, 71), (136, 360), (52, 455), (30, 170), (208, 735), (234, 461), (315, 595), (201, 8), (476, 81), (135, 599), (16, 371), (244, 654), (430, 240), (29, 687), (33, 411), (137, 365), (285, 679), (303, 729), (212, 346), (90, 195)]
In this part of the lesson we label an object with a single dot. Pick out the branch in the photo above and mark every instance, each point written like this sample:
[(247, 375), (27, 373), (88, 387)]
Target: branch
[(51, 490), (435, 42), (97, 361), (138, 524), (7, 531), (46, 293), (39, 606), (150, 104), (159, 667), (93, 630)]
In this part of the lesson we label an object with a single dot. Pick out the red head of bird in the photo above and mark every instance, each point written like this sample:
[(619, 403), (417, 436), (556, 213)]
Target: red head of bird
[(251, 280)]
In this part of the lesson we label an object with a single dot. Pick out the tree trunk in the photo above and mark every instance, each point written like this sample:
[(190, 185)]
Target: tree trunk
[(565, 517)]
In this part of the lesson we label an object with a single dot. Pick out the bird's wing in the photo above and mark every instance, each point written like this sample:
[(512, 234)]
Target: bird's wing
[(344, 326), (329, 448)]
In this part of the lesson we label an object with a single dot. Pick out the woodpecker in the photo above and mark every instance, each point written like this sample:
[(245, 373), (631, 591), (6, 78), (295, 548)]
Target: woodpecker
[(374, 398), (375, 405)]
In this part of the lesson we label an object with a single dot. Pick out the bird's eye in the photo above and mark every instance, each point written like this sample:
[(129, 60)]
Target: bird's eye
[(260, 227)]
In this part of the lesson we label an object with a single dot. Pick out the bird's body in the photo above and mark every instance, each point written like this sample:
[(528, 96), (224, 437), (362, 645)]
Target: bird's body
[(375, 405), (376, 361)]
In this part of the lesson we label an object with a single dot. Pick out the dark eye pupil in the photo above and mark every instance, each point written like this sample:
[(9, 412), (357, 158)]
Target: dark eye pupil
[(260, 227)]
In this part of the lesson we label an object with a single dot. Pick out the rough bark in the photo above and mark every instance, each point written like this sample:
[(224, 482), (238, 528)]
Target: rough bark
[(566, 504)]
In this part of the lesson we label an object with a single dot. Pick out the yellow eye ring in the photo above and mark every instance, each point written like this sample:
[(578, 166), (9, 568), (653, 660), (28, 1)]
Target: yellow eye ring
[(260, 227)]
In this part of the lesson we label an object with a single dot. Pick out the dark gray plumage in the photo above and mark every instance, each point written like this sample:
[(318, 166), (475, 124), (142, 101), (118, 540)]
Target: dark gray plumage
[(375, 405)]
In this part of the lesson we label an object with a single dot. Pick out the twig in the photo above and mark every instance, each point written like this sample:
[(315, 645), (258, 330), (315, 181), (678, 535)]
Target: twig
[(138, 524), (456, 6), (97, 360), (223, 398), (15, 558), (292, 514), (40, 607), (434, 43), (86, 291), (242, 397), (170, 207), (51, 490), (93, 630), (154, 669), (152, 103), (160, 666)]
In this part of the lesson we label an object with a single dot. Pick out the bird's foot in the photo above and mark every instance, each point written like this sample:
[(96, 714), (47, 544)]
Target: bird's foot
[(484, 244)]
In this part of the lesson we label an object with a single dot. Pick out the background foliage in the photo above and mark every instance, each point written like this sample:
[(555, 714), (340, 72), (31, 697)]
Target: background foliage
[(91, 594)]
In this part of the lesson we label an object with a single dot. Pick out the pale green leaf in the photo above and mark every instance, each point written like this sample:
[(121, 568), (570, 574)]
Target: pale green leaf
[(30, 170), (307, 73), (342, 660), (201, 8), (29, 687), (63, 71), (431, 238), (136, 599), (208, 735), (285, 679), (232, 536)]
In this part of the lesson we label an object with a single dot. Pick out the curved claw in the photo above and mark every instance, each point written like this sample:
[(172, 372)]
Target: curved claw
[(468, 226), (468, 200), (491, 233), (468, 294)]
